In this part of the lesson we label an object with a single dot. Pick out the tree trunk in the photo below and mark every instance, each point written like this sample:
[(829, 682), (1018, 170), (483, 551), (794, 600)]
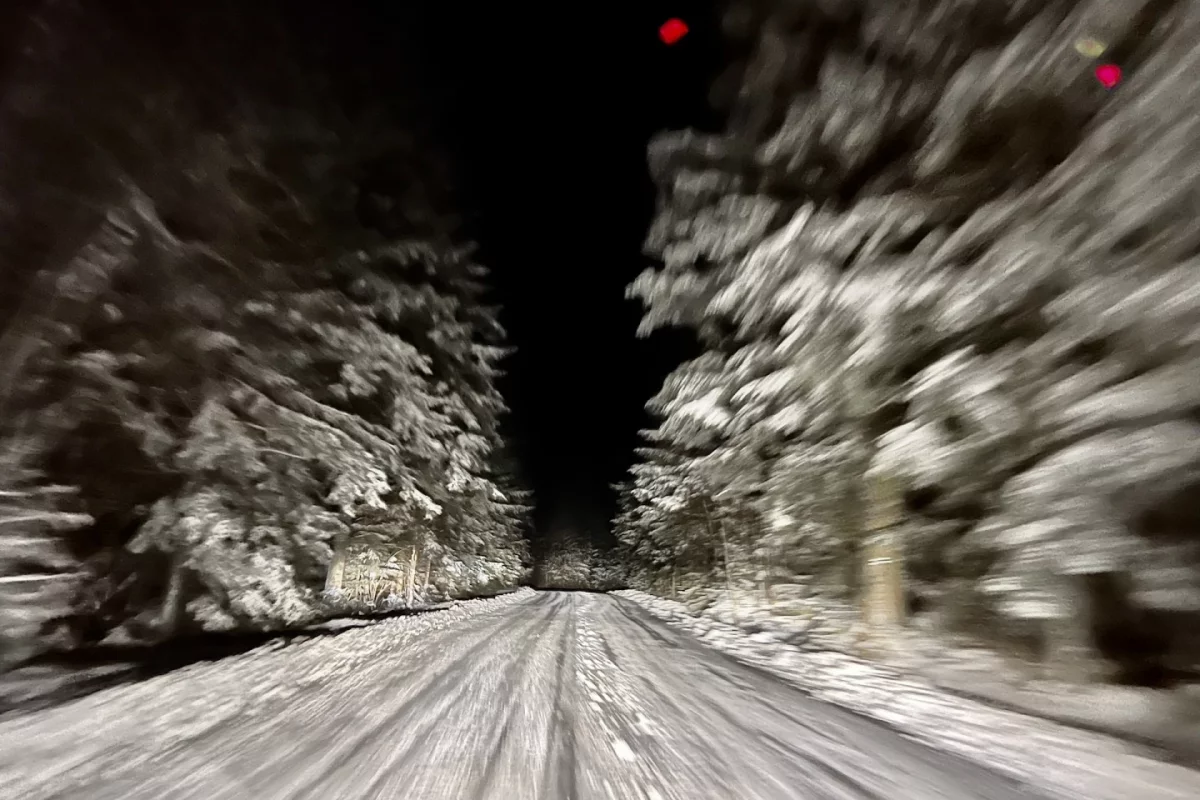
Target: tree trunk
[(728, 579), (337, 565), (173, 604), (767, 581), (425, 585), (884, 584), (412, 576), (882, 557), (725, 558), (1069, 653), (674, 583)]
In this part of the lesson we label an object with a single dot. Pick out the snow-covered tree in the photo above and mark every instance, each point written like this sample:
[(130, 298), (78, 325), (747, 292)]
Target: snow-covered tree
[(243, 348), (571, 561), (930, 250)]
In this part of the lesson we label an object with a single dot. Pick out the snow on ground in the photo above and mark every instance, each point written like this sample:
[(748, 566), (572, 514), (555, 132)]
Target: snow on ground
[(1167, 719), (529, 696), (58, 747), (1065, 761), (622, 730)]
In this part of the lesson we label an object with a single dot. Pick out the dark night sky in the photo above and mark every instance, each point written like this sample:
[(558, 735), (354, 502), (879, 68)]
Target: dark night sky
[(546, 111), (554, 109)]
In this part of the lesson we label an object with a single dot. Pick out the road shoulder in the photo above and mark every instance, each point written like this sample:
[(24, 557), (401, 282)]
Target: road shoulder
[(1065, 761)]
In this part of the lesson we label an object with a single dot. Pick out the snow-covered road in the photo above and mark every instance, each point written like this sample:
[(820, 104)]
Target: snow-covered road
[(532, 696)]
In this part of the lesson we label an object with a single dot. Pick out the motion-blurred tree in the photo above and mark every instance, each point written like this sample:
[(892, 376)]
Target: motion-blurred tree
[(929, 245), (238, 328)]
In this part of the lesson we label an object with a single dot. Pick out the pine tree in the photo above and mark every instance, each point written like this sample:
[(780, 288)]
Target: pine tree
[(244, 345), (929, 250)]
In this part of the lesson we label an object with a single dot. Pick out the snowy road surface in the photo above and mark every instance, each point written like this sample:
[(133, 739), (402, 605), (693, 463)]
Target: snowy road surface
[(536, 696)]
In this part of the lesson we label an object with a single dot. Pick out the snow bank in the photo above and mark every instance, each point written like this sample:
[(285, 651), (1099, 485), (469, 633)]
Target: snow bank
[(1064, 762)]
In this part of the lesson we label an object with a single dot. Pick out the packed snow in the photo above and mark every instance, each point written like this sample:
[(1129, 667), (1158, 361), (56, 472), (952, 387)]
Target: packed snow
[(1061, 761), (531, 695)]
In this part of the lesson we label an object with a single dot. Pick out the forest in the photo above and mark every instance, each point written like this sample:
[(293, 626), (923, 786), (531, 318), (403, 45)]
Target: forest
[(248, 365), (945, 284), (942, 280)]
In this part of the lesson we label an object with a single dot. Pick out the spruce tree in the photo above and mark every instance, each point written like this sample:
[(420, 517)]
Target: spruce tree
[(929, 249)]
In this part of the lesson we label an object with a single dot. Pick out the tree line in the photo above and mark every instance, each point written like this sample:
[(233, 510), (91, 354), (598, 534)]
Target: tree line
[(941, 276), (248, 364)]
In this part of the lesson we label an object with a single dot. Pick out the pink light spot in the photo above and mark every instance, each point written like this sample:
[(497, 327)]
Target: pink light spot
[(672, 30), (1109, 75)]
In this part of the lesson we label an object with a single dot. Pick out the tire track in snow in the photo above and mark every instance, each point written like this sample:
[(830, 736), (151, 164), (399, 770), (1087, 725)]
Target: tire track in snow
[(547, 697)]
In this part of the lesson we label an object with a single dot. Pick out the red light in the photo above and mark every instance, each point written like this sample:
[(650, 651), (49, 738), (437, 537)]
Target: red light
[(1109, 75), (672, 30)]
